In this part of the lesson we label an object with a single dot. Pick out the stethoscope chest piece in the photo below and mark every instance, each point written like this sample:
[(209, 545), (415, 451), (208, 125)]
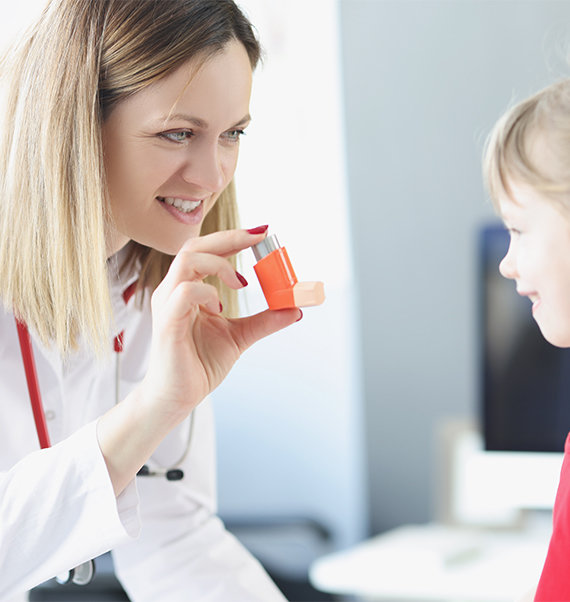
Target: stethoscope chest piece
[(80, 575)]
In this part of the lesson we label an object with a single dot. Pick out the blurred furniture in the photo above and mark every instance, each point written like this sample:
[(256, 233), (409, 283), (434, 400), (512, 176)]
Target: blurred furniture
[(488, 544), (436, 562)]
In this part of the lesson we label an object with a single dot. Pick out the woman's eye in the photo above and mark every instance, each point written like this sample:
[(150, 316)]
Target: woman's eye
[(234, 135), (179, 136)]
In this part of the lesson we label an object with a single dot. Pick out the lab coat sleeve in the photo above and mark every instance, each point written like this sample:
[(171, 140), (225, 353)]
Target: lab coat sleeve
[(57, 510), (184, 551)]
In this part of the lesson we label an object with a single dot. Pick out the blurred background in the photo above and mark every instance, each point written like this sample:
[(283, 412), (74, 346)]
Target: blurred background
[(369, 120)]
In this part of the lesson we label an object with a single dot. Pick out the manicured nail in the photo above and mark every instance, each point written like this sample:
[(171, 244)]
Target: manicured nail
[(221, 307), (258, 230), (241, 279), (301, 315)]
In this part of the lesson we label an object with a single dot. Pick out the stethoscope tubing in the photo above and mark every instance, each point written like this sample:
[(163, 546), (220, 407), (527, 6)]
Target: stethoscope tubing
[(84, 573), (33, 385)]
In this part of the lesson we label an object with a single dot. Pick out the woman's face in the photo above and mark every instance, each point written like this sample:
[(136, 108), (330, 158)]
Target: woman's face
[(538, 259), (172, 148)]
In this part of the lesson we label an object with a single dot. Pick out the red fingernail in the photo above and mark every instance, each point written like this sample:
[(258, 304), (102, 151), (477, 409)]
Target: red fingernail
[(241, 279), (221, 307), (299, 318), (258, 230)]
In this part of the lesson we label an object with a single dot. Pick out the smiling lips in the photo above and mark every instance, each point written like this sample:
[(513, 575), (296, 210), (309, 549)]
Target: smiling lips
[(532, 296), (181, 204)]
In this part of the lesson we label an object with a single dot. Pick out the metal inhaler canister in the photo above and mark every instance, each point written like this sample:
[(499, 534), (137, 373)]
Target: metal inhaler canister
[(278, 280)]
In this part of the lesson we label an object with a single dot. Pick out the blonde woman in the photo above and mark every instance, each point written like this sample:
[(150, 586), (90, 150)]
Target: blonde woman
[(121, 131), (527, 171)]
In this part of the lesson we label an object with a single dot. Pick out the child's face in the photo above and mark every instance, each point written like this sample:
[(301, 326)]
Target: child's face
[(172, 148), (538, 259)]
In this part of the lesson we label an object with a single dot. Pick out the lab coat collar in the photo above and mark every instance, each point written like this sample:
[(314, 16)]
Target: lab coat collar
[(119, 281)]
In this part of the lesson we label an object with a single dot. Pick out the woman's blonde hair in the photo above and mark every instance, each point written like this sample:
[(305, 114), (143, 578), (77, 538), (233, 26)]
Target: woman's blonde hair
[(530, 145), (59, 84)]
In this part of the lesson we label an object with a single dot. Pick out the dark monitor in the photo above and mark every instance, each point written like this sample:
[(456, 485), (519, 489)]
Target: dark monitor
[(525, 379)]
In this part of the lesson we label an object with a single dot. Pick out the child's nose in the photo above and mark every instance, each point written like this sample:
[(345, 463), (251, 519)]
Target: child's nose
[(507, 267)]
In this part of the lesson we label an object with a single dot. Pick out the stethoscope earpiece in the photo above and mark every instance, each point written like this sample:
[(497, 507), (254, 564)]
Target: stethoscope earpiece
[(80, 575)]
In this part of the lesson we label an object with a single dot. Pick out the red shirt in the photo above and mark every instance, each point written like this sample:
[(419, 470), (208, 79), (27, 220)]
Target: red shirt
[(554, 584)]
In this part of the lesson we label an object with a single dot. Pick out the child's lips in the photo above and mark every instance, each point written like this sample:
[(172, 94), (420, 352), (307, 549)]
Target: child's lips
[(532, 296)]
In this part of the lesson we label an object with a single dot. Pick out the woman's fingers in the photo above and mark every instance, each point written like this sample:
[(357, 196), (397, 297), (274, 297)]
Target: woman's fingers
[(206, 256), (249, 330), (190, 266), (226, 242), (186, 296)]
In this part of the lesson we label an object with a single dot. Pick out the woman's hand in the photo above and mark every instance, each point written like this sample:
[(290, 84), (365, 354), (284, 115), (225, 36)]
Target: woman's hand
[(193, 348), (193, 345)]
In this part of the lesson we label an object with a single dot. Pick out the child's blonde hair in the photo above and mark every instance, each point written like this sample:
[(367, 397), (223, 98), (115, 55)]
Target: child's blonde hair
[(530, 144), (59, 83)]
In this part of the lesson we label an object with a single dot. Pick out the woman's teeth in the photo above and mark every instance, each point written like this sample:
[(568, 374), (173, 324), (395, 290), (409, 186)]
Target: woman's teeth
[(181, 205)]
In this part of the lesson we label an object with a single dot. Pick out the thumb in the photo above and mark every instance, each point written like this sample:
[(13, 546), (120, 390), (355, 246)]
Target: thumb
[(249, 330)]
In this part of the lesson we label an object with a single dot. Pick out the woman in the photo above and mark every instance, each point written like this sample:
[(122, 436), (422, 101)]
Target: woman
[(120, 141)]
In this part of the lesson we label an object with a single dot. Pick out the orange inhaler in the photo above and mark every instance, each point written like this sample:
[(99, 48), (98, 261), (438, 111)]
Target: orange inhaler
[(278, 280)]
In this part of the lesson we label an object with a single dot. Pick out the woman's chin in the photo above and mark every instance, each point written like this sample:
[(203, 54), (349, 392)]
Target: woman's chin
[(169, 243)]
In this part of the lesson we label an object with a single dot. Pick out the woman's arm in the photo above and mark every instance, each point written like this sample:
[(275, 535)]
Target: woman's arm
[(57, 510), (184, 551), (193, 348)]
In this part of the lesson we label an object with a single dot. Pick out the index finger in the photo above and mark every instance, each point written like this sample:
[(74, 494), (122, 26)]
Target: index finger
[(226, 243)]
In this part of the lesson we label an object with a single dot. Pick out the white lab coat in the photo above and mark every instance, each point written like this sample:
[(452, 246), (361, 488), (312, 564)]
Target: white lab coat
[(57, 506)]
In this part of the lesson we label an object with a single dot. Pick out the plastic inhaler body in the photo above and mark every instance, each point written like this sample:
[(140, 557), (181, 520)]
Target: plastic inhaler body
[(278, 280)]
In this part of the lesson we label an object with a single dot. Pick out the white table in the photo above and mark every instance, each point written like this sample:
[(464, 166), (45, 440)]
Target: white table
[(436, 562)]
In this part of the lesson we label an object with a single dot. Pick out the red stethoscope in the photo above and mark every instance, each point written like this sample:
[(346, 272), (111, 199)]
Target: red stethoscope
[(84, 573)]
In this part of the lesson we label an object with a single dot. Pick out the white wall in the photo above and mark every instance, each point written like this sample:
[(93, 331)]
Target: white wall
[(16, 17), (424, 82), (289, 415)]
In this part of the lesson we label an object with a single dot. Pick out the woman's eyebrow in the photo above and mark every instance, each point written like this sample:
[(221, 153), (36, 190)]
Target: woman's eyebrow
[(198, 121), (243, 121)]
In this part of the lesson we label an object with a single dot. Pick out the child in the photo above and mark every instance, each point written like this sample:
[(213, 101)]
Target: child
[(527, 170)]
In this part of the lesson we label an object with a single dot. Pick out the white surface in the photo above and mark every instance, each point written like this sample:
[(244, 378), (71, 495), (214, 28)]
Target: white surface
[(489, 488), (434, 562), (517, 481)]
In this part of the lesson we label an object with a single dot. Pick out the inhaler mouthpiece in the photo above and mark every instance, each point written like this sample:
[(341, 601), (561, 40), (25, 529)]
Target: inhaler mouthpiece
[(278, 280)]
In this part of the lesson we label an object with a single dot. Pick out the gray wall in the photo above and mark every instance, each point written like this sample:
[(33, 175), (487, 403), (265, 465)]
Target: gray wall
[(424, 82)]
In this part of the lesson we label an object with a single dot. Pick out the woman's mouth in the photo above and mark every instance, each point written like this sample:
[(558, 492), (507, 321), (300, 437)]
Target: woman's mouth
[(180, 204), (183, 210)]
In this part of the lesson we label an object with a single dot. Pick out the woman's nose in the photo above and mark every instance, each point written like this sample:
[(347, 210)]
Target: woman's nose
[(204, 168)]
